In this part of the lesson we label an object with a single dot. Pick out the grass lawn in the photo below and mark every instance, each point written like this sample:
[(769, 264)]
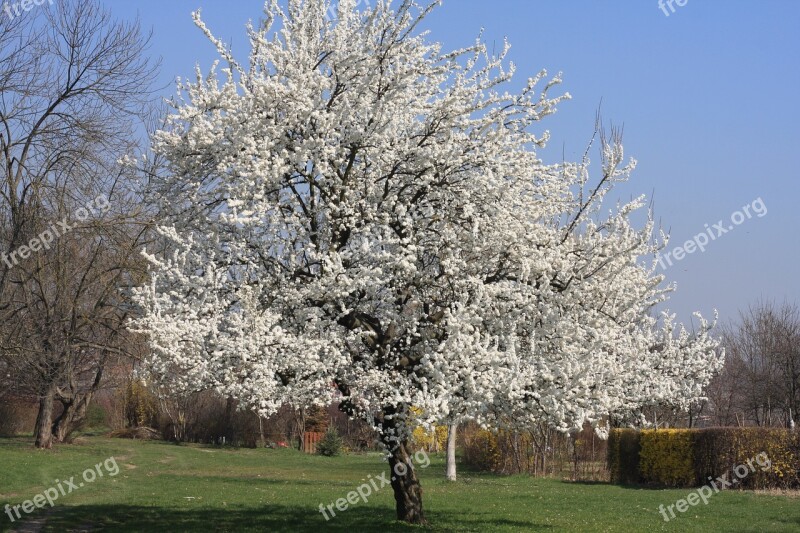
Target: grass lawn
[(165, 488)]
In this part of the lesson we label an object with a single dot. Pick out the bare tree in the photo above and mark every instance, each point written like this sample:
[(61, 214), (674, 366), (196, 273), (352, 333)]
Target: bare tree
[(724, 398), (75, 91), (761, 381)]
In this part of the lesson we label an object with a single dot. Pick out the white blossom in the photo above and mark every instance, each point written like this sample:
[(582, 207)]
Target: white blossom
[(355, 214)]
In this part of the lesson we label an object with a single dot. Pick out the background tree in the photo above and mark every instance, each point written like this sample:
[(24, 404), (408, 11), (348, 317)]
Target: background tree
[(761, 381), (354, 207), (75, 89)]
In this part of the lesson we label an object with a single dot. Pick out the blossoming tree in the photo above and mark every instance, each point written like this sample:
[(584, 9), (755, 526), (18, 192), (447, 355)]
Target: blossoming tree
[(354, 215)]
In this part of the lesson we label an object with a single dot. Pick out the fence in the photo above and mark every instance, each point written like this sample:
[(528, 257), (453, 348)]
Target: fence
[(310, 440)]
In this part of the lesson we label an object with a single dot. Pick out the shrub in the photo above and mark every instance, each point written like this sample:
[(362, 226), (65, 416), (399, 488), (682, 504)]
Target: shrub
[(689, 457), (623, 456), (540, 451), (666, 457), (331, 443), (482, 451), (95, 417), (140, 406), (17, 417), (433, 440), (719, 450)]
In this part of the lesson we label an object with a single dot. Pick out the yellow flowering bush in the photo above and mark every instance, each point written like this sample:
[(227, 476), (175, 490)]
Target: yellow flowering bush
[(667, 457), (765, 457)]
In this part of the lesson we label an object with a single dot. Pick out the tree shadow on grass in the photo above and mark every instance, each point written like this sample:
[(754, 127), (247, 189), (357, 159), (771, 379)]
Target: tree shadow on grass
[(628, 486), (442, 521), (130, 518), (791, 521), (16, 442)]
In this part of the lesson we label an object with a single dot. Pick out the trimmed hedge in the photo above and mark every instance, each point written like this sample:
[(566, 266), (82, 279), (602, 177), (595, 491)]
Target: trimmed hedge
[(666, 457), (689, 457), (623, 456), (719, 450)]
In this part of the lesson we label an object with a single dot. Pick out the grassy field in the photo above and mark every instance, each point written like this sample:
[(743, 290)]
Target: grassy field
[(164, 487)]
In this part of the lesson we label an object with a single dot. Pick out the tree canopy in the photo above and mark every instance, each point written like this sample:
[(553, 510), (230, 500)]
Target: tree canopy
[(355, 214)]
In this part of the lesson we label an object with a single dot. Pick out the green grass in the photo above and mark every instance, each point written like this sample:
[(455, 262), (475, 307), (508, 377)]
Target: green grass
[(164, 487)]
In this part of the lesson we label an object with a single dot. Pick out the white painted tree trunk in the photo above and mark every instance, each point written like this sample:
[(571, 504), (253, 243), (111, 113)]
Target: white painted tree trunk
[(451, 452)]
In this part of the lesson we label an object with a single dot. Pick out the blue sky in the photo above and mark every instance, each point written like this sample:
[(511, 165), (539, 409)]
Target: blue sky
[(707, 97)]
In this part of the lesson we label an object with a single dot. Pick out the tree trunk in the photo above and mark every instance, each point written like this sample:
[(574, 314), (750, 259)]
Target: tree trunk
[(62, 425), (452, 433), (75, 405), (405, 483), (44, 420), (71, 417), (229, 431), (262, 442)]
